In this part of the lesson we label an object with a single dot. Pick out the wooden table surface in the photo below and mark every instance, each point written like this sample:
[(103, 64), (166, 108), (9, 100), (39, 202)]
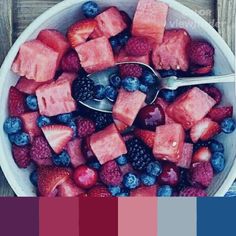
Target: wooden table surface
[(16, 15)]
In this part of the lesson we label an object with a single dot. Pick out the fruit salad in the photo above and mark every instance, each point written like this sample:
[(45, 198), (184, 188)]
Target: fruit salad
[(168, 148)]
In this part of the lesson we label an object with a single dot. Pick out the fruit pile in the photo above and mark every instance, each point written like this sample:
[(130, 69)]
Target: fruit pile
[(167, 148)]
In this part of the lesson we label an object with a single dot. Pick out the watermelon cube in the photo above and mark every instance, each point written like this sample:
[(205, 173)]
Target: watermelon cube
[(55, 40), (96, 55), (169, 142), (36, 61), (110, 22), (107, 144), (190, 107), (67, 76), (30, 124), (172, 53), (74, 150), (144, 191), (186, 157), (123, 57), (55, 98), (150, 20), (127, 106)]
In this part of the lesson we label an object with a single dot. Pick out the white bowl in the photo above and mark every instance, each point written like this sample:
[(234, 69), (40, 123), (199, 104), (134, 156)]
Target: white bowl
[(67, 12)]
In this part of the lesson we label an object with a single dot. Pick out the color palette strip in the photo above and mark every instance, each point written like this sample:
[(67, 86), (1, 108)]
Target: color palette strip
[(117, 217)]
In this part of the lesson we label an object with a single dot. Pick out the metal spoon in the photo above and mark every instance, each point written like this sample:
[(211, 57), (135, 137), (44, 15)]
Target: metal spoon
[(171, 83)]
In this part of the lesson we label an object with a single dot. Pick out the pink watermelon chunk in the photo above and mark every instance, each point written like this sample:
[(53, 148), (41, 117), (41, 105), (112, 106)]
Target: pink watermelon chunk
[(74, 150), (96, 55), (107, 144), (186, 157), (169, 142), (190, 107), (173, 52), (123, 57), (127, 106), (68, 76), (55, 98), (55, 40), (110, 22), (150, 20), (36, 61)]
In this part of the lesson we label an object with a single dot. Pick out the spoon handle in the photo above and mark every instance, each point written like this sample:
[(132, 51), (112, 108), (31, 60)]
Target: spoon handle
[(180, 82)]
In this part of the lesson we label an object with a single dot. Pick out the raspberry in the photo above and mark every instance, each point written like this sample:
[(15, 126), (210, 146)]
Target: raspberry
[(99, 191), (110, 174), (214, 93), (41, 152), (132, 70), (201, 174), (70, 62), (201, 53), (192, 192), (21, 156), (85, 127), (137, 47)]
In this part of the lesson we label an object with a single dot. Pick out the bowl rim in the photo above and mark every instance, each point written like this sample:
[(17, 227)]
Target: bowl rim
[(69, 3)]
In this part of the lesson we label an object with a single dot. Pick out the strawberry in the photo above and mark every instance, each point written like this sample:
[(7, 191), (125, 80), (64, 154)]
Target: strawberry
[(120, 125), (79, 32), (146, 136), (21, 156), (49, 177), (192, 192), (16, 102), (218, 114), (201, 70), (40, 151), (69, 189), (204, 130), (202, 154), (99, 191), (57, 136), (144, 191)]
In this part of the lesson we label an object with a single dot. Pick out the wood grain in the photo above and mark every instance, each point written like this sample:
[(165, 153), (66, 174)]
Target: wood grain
[(226, 13)]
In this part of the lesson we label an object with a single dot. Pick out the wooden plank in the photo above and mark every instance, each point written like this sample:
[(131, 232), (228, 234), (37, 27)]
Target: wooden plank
[(226, 13)]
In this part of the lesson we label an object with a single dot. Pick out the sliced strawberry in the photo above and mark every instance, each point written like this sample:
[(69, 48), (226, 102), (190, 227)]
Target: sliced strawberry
[(30, 124), (69, 189), (16, 102), (120, 126), (57, 136), (99, 191), (146, 136), (79, 32), (204, 130), (218, 114), (202, 154), (201, 70), (144, 191), (49, 178)]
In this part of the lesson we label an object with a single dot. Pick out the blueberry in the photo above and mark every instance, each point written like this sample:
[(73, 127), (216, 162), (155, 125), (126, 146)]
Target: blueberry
[(154, 168), (111, 93), (20, 139), (123, 193), (114, 190), (143, 88), (148, 180), (228, 125), (115, 43), (63, 159), (99, 92), (122, 160), (43, 121), (218, 162), (34, 178), (168, 95), (65, 118), (148, 78), (12, 125), (123, 37), (73, 126), (90, 9), (168, 73), (131, 181), (95, 165), (130, 84), (32, 102), (216, 146), (165, 191), (115, 80)]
